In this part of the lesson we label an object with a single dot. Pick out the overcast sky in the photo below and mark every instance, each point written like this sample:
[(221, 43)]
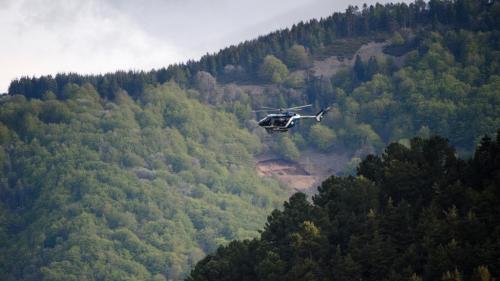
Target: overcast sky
[(39, 37)]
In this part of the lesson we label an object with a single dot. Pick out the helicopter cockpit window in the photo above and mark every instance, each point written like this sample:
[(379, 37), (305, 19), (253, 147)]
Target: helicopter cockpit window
[(265, 122), (280, 121)]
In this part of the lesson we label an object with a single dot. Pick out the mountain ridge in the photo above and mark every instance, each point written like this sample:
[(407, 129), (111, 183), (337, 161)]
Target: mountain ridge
[(141, 174)]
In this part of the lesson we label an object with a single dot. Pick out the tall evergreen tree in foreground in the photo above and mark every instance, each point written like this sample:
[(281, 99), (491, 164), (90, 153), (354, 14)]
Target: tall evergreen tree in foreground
[(412, 213)]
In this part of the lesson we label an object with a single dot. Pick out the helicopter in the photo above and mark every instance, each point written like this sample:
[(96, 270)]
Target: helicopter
[(286, 118)]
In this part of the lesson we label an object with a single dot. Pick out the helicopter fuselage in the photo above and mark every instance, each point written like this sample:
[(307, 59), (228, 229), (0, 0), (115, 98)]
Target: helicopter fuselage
[(279, 122), (286, 119)]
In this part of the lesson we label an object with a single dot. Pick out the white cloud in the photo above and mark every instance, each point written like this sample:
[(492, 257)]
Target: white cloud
[(46, 37)]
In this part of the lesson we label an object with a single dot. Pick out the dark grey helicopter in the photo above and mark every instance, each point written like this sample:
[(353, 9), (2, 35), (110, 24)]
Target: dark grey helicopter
[(286, 118)]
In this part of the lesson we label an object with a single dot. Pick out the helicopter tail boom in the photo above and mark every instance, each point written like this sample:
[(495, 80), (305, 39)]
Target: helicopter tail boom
[(321, 113)]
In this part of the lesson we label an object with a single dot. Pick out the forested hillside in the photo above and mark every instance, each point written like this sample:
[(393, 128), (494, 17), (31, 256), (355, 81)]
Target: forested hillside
[(123, 190), (412, 213), (138, 175), (439, 73)]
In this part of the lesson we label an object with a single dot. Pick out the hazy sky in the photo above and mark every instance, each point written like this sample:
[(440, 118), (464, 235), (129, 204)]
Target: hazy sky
[(97, 36)]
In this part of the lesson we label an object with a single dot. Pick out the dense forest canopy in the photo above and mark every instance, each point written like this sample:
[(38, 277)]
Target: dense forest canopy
[(412, 213), (94, 189), (440, 75), (140, 174), (448, 84)]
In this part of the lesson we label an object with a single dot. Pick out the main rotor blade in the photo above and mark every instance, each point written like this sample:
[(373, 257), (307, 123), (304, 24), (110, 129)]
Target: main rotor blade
[(265, 110), (298, 107), (266, 107), (293, 109)]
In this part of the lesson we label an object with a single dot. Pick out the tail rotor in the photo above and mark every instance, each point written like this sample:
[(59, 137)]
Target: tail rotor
[(321, 114)]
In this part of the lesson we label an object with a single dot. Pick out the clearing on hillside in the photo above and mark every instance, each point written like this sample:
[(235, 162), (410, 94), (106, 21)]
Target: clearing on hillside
[(307, 173)]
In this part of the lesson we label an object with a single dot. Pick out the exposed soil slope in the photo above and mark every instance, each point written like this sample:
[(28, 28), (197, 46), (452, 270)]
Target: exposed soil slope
[(304, 175), (331, 65)]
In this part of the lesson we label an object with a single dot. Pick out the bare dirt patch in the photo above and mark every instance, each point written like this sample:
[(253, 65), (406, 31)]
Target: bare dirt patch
[(280, 167), (307, 173), (290, 173), (331, 65)]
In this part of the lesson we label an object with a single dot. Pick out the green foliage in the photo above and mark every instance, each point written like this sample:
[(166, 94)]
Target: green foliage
[(295, 80), (351, 166), (4, 134), (321, 136), (397, 39), (446, 87), (446, 81), (287, 148), (121, 176), (452, 276), (416, 213), (123, 189), (297, 57), (481, 273), (273, 70)]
